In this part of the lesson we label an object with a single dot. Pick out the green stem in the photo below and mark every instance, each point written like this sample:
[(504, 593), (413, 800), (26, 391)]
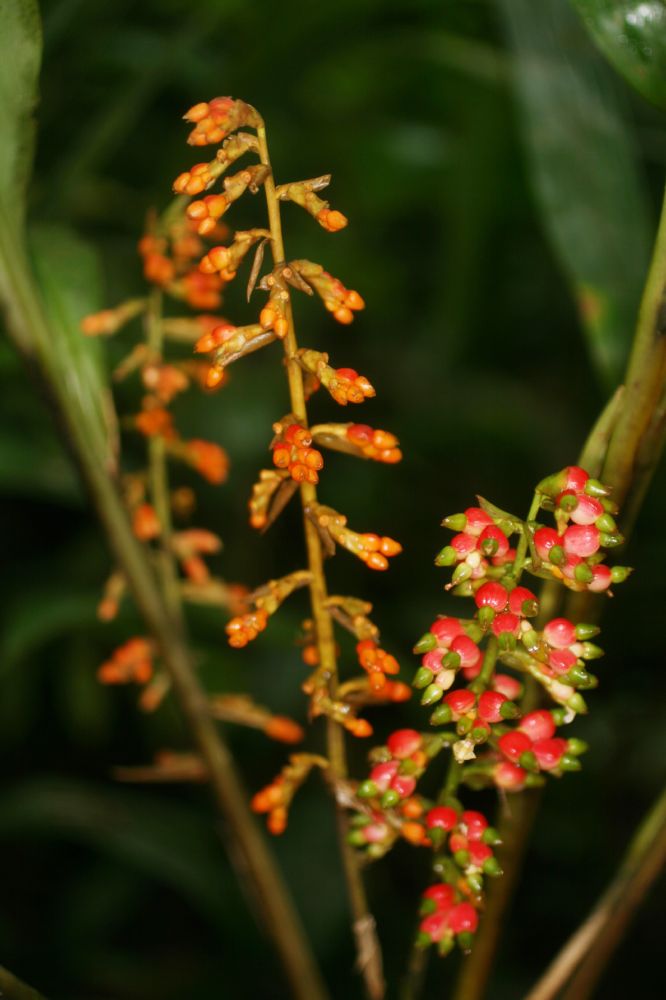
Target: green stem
[(644, 382), (13, 989), (489, 661), (584, 957), (368, 949), (521, 548), (158, 474), (30, 331)]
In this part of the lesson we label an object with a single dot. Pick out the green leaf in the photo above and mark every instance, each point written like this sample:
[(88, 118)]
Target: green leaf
[(632, 36), (584, 172), (140, 828), (68, 273), (44, 615), (20, 57)]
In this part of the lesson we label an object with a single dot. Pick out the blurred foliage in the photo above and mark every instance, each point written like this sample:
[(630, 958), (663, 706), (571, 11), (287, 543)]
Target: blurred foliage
[(632, 34), (502, 186)]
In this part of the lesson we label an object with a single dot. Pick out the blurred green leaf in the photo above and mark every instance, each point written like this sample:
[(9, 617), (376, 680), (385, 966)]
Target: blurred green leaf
[(68, 274), (584, 172), (168, 841), (33, 621), (632, 36), (20, 56)]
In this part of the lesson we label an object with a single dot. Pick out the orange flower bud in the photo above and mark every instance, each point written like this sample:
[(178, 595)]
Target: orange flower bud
[(156, 421), (208, 459), (343, 315), (103, 322), (411, 809), (331, 220), (310, 655), (285, 730), (354, 301), (214, 377), (196, 113), (277, 821), (195, 569), (359, 727), (414, 833), (374, 560), (145, 524)]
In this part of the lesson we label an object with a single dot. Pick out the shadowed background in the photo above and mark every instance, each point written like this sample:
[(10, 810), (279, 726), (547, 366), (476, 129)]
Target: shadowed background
[(502, 186)]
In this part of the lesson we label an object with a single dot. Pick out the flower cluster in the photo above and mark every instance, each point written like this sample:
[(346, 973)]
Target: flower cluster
[(169, 250), (344, 384), (476, 714), (275, 798), (376, 662), (292, 451), (243, 628), (131, 662), (295, 449)]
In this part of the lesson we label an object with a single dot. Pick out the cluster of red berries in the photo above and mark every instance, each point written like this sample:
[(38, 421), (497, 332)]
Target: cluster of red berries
[(394, 778), (479, 545), (446, 919), (293, 453), (516, 750), (449, 646), (533, 747), (586, 526)]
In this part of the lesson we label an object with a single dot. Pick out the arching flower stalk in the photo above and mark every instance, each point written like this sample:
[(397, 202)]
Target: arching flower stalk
[(297, 461)]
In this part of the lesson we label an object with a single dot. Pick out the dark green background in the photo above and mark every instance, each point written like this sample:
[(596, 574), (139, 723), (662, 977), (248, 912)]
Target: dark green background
[(478, 196)]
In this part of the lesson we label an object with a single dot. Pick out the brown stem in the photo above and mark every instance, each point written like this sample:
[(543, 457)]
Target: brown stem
[(367, 944), (582, 960), (624, 445), (13, 989), (30, 331)]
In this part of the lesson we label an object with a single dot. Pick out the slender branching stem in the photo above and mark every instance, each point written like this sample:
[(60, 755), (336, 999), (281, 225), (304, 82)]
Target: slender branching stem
[(158, 475), (30, 330), (367, 944), (583, 958), (14, 989)]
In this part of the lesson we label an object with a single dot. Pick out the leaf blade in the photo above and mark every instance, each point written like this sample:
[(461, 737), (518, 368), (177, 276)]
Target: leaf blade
[(584, 173), (632, 36)]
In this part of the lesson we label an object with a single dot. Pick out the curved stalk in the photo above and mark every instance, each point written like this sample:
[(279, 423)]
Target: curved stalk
[(158, 476), (29, 327), (14, 989), (367, 945), (582, 960)]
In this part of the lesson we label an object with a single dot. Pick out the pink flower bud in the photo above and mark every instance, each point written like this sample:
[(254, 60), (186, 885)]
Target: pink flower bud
[(560, 633), (581, 540), (538, 725), (403, 743)]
